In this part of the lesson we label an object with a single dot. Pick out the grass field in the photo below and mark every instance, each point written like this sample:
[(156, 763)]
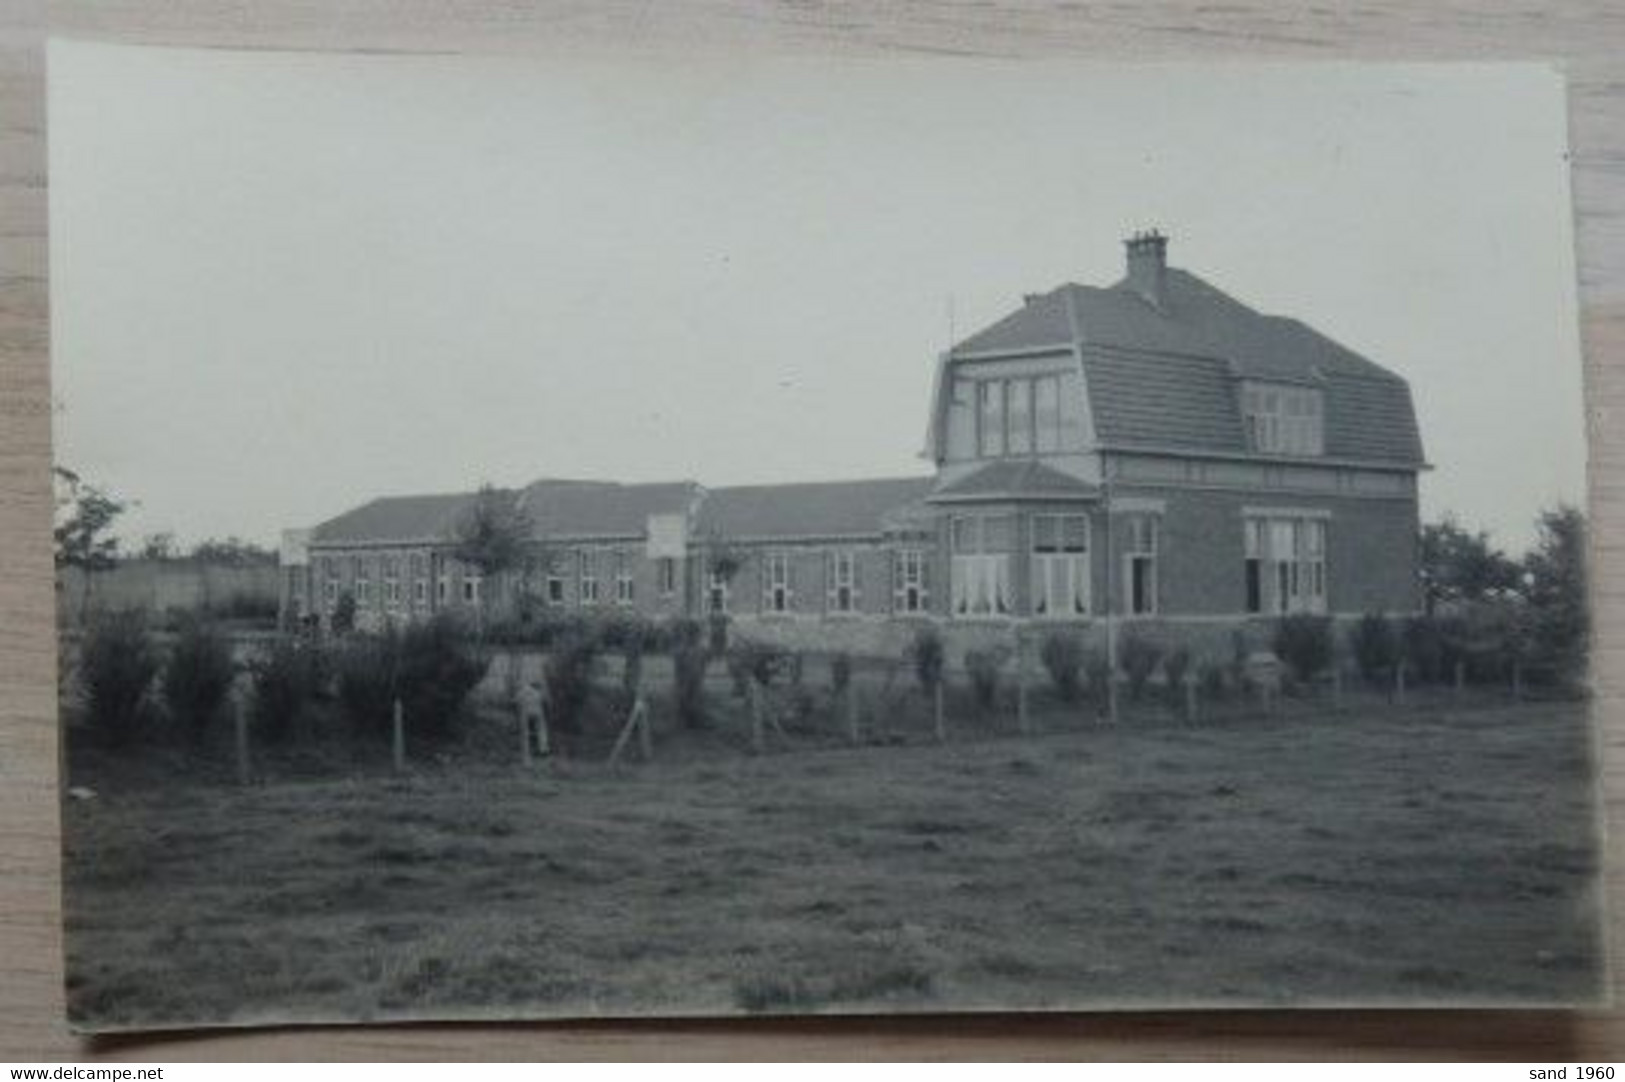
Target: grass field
[(1428, 855)]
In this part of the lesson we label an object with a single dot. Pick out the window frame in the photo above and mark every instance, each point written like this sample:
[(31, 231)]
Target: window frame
[(1050, 564), (778, 597), (838, 603), (1142, 549)]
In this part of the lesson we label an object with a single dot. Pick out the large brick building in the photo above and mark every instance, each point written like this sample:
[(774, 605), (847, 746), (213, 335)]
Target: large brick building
[(1154, 451)]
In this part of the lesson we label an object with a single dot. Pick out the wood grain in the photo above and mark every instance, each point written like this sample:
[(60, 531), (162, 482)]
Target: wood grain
[(1587, 38)]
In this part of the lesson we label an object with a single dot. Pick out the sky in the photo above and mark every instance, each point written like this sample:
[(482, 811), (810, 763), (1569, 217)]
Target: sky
[(283, 284)]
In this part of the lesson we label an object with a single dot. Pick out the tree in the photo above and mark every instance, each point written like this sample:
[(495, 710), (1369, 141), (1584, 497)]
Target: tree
[(1457, 565), (1554, 585), (158, 546), (83, 529), (231, 552), (491, 536)]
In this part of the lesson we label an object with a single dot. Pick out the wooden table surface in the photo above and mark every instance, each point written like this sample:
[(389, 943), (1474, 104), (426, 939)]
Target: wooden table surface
[(1587, 37)]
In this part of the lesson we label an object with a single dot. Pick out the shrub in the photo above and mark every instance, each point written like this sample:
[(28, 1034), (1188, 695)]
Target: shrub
[(840, 673), (928, 656), (116, 668), (760, 662), (1175, 667), (571, 662), (344, 614), (197, 676), (983, 667), (1304, 643), (284, 682), (1138, 657), (1062, 655), (689, 660), (1098, 667), (1424, 649), (1376, 647), (365, 679), (439, 668), (430, 667)]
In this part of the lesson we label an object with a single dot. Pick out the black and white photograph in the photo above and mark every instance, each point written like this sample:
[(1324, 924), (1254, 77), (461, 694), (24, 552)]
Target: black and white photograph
[(643, 535)]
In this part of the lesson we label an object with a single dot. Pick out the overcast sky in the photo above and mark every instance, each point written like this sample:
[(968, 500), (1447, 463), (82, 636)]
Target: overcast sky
[(283, 284)]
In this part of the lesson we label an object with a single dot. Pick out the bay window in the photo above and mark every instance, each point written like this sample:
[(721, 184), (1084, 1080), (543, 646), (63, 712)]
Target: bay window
[(982, 545)]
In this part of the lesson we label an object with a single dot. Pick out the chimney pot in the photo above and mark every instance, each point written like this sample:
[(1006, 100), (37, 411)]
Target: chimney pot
[(1147, 258)]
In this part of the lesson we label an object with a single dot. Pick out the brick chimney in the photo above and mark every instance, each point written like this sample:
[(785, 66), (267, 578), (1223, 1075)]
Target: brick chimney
[(1148, 266)]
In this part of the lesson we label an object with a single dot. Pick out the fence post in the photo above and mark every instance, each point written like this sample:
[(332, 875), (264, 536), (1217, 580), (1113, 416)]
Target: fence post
[(1023, 722), (543, 743), (852, 712), (398, 741), (524, 731), (1190, 698), (756, 716), (646, 740), (1461, 681), (936, 709), (239, 713), (1399, 684), (1111, 696), (1337, 687)]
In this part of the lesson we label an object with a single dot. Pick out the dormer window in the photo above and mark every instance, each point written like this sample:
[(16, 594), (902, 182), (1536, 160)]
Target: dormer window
[(1282, 419)]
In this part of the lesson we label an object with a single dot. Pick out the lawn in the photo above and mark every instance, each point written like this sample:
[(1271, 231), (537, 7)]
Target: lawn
[(1420, 856)]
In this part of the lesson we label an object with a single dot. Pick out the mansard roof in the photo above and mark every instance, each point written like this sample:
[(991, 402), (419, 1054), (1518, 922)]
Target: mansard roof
[(1164, 375)]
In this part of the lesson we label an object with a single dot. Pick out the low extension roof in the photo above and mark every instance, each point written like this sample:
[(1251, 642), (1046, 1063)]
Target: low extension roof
[(1016, 479), (809, 510), (397, 520), (588, 509), (1164, 376)]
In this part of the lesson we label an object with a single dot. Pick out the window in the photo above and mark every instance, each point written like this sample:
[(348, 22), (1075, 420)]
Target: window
[(392, 581), (1047, 413), (1019, 416), (472, 587), (555, 588), (363, 581), (1140, 564), (716, 593), (990, 399), (589, 577), (909, 589), (776, 582), (1060, 567), (420, 582), (981, 564), (1285, 564), (667, 575), (1282, 420), (843, 581), (623, 578), (442, 587)]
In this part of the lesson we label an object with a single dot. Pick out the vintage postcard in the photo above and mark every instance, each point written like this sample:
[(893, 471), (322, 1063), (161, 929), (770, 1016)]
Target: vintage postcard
[(621, 536)]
